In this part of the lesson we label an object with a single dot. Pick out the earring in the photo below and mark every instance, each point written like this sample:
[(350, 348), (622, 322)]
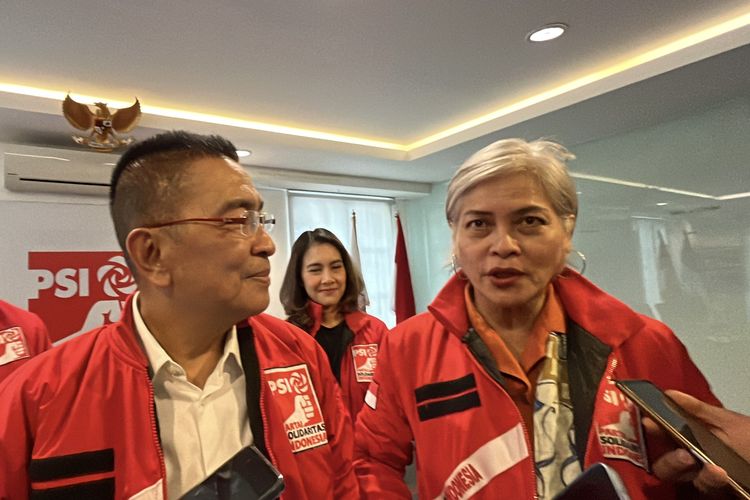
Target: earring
[(582, 258), (456, 268)]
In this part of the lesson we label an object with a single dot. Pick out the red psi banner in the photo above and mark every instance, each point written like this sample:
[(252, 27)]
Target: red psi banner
[(78, 291)]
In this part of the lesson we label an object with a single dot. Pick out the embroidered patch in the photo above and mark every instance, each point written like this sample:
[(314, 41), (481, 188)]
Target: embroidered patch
[(619, 430), (371, 397), (364, 361), (295, 396), (13, 345)]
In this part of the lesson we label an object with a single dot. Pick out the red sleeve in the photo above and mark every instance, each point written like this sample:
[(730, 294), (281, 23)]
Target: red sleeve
[(33, 333), (383, 438), (666, 359), (15, 442), (39, 335)]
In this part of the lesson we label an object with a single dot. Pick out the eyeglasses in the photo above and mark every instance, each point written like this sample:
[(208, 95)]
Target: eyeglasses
[(249, 222)]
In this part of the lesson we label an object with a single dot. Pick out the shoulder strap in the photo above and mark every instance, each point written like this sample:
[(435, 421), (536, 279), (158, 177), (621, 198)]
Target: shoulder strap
[(251, 366)]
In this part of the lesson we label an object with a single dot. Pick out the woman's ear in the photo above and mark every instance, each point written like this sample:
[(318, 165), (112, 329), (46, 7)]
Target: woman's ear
[(145, 249)]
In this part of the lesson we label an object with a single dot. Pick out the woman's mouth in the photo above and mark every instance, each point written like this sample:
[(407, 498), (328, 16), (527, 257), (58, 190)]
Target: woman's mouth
[(504, 276)]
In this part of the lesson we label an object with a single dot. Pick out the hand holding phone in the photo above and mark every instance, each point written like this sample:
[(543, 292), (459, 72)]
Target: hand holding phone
[(689, 432)]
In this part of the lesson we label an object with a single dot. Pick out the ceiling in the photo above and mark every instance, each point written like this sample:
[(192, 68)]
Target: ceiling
[(388, 89)]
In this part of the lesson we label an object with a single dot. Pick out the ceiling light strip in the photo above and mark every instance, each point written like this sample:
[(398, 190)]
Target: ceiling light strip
[(633, 62), (673, 47), (204, 117)]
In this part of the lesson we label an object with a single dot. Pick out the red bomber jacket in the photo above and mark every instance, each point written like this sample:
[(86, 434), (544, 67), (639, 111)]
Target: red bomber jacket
[(22, 336), (80, 418), (358, 367), (438, 394)]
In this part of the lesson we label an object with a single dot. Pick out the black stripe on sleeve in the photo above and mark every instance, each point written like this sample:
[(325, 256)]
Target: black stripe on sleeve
[(99, 490), (436, 409), (447, 388), (66, 466)]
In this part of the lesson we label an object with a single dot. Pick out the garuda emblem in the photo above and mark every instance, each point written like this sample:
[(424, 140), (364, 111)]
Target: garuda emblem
[(104, 124)]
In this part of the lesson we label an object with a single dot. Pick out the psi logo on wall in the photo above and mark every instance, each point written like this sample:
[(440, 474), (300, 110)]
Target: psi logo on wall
[(78, 291)]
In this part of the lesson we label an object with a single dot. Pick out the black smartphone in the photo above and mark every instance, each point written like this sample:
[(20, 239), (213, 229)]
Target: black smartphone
[(248, 475), (688, 432), (599, 481)]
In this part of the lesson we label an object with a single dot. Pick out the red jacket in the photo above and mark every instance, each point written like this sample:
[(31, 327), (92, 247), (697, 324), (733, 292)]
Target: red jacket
[(22, 336), (82, 415), (437, 385), (358, 367)]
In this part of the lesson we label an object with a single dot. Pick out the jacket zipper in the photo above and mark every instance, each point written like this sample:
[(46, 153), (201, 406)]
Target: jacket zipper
[(157, 439), (261, 403), (518, 414)]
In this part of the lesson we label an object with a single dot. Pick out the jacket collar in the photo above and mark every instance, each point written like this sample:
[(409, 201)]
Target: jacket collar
[(595, 310), (583, 302), (355, 320), (125, 339)]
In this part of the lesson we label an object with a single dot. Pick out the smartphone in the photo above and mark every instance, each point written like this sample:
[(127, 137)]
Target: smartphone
[(599, 481), (689, 432), (247, 475)]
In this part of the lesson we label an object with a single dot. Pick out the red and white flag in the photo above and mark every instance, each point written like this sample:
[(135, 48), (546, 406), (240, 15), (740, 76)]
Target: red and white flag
[(364, 299), (404, 305)]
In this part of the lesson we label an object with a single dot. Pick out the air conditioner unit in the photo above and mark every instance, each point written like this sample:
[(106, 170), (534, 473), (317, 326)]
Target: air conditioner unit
[(37, 169)]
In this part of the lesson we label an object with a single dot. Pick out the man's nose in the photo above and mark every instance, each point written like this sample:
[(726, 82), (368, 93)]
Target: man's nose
[(263, 243)]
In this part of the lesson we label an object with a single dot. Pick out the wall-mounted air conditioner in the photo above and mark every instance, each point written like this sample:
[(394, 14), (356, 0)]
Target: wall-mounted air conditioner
[(37, 169)]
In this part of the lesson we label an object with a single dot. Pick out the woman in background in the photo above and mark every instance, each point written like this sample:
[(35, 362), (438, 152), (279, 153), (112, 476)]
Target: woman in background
[(320, 294), (503, 389)]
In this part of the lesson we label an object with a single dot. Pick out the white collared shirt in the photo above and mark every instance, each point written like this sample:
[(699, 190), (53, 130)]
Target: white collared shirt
[(200, 429)]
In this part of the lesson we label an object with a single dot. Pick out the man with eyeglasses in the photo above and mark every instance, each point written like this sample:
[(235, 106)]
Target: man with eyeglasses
[(162, 400)]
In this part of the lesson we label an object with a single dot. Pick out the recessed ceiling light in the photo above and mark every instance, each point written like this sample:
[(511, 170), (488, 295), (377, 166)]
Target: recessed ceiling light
[(547, 32), (244, 153), (662, 204)]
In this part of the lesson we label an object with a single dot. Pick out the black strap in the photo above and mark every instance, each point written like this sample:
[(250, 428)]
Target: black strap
[(482, 353), (251, 367), (587, 360)]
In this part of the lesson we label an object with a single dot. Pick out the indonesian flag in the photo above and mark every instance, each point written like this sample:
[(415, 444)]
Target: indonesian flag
[(364, 299), (404, 306)]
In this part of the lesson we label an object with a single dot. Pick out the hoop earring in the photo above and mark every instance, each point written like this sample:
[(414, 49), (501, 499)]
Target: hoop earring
[(582, 257), (457, 269), (454, 266)]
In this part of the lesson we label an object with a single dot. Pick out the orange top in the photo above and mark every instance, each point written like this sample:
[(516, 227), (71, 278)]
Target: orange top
[(521, 374)]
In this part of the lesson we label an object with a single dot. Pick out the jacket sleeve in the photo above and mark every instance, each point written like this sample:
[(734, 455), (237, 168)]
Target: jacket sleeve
[(15, 441), (383, 438), (41, 336), (340, 433), (682, 373)]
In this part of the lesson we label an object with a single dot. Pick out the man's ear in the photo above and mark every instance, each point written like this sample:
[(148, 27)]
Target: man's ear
[(145, 248)]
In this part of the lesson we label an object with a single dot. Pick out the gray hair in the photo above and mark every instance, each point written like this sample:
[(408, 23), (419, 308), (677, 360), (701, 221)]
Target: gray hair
[(542, 160)]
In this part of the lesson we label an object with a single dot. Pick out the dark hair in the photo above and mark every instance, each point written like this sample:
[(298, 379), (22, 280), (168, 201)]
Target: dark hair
[(146, 184), (293, 296)]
